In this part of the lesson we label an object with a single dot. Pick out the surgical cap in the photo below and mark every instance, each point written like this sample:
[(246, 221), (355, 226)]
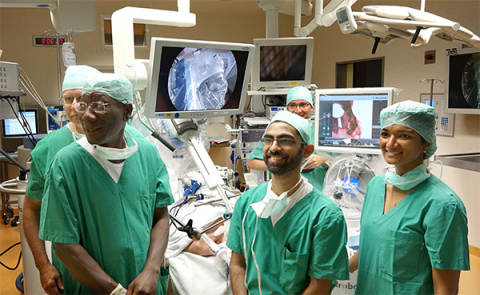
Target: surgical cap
[(75, 75), (299, 92), (418, 116), (300, 124), (115, 86)]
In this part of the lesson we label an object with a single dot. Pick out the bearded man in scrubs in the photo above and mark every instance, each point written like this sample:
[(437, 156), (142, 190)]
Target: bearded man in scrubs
[(105, 201), (286, 236), (413, 237), (300, 102)]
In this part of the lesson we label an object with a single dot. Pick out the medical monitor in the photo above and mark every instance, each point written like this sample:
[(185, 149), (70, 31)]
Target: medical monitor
[(347, 120), (194, 79), (282, 62), (13, 128), (462, 83), (51, 124)]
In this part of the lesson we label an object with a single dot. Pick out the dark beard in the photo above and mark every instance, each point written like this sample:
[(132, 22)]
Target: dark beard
[(290, 165)]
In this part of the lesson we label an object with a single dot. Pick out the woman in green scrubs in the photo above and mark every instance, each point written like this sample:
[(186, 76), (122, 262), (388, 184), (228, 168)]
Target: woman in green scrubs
[(413, 236)]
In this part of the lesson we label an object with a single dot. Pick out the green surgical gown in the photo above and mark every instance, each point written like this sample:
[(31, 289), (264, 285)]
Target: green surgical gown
[(427, 229), (308, 241), (43, 154), (83, 205), (315, 177)]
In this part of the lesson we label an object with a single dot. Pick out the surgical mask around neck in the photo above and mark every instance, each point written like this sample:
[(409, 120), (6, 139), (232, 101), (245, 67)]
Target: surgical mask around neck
[(271, 203), (76, 135), (409, 180), (109, 153)]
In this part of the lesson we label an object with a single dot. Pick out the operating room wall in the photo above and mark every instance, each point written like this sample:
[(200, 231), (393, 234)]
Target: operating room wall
[(404, 68), (216, 20), (241, 21)]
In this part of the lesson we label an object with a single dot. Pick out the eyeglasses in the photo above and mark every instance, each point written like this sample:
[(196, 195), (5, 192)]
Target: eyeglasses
[(283, 141), (70, 100), (96, 106), (293, 106)]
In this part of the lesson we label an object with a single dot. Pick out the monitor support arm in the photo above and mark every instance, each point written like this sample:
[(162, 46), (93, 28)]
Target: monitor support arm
[(324, 17), (187, 131), (125, 64), (136, 71)]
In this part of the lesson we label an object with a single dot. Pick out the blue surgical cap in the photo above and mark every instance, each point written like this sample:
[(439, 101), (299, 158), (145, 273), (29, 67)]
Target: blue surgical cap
[(75, 75), (299, 92), (300, 124), (115, 86), (418, 116)]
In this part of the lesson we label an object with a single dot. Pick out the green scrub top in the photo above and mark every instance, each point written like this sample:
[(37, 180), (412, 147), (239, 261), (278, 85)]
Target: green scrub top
[(316, 177), (112, 221), (308, 241), (43, 154), (398, 249)]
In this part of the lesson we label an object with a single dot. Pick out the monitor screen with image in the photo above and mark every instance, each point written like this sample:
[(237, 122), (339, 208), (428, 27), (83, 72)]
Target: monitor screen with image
[(13, 128), (195, 79), (463, 81), (282, 62), (348, 120)]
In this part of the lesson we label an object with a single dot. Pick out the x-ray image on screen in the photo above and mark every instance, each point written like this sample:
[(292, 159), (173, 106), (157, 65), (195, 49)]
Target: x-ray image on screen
[(202, 79), (464, 81)]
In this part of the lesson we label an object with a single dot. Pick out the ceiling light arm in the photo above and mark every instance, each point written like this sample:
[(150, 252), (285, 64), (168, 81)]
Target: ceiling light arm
[(406, 23), (124, 60), (324, 17)]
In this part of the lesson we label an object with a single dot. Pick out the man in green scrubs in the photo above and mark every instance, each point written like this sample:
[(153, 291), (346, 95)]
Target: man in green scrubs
[(42, 155), (286, 236), (105, 201), (300, 102)]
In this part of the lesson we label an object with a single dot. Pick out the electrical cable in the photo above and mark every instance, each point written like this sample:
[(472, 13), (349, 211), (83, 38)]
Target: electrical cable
[(28, 85), (23, 122), (249, 102), (40, 102), (26, 125), (154, 133), (19, 257)]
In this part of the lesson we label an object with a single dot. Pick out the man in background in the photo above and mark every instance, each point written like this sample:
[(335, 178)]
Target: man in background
[(42, 156)]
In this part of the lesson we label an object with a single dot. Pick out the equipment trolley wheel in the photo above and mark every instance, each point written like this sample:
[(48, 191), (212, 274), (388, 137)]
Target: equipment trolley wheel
[(19, 283)]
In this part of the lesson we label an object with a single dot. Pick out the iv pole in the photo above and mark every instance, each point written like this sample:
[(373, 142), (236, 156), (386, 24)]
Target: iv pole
[(431, 81)]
